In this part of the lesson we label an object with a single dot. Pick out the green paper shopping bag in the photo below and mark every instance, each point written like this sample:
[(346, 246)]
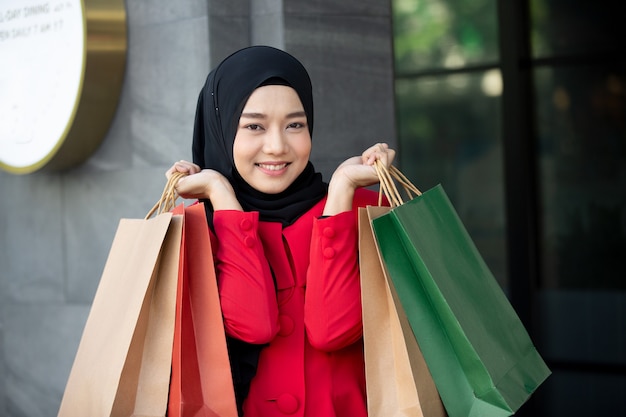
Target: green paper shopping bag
[(481, 357)]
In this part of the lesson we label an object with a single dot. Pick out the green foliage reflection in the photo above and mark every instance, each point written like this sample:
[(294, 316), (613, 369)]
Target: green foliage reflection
[(430, 34)]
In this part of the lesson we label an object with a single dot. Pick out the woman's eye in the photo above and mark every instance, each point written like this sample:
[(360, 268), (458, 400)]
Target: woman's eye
[(253, 127), (296, 125)]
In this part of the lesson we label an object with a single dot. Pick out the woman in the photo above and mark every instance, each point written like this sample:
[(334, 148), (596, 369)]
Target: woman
[(285, 242)]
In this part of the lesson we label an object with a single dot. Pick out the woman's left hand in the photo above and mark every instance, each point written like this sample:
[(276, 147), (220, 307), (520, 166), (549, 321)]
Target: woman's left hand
[(359, 171), (354, 173)]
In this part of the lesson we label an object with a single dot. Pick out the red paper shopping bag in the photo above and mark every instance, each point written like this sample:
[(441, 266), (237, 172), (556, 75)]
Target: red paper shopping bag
[(201, 384)]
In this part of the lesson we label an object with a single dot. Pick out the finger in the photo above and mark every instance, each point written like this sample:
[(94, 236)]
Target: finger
[(186, 167), (192, 168), (377, 151), (170, 171), (183, 167), (388, 157), (366, 156), (379, 147)]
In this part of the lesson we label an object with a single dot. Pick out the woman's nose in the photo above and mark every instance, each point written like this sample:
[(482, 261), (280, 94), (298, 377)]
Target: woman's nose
[(275, 142)]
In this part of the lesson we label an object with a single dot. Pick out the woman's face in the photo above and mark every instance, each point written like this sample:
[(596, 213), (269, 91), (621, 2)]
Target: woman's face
[(273, 144)]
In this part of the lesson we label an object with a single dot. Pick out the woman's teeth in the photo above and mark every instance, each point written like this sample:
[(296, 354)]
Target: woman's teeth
[(272, 167)]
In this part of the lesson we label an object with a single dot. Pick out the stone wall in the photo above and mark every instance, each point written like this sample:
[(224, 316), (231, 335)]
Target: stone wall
[(56, 228)]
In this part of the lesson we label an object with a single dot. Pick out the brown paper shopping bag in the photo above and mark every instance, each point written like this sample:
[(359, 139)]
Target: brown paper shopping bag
[(398, 381), (122, 366)]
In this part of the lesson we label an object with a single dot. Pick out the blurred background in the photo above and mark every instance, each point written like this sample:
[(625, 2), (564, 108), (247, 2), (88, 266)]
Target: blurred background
[(517, 108)]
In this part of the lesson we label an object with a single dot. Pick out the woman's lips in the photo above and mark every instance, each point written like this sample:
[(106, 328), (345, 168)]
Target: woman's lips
[(273, 168)]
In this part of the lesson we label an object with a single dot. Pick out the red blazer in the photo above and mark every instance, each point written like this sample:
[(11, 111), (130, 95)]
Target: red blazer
[(313, 366)]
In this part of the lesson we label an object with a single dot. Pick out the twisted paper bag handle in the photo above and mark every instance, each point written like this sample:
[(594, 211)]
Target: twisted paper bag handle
[(169, 196), (388, 177)]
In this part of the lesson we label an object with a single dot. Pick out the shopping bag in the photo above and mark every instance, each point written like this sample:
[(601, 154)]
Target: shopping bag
[(123, 363), (201, 384), (397, 379), (479, 354)]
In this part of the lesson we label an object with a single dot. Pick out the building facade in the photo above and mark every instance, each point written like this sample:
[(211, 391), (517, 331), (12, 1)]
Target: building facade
[(57, 227)]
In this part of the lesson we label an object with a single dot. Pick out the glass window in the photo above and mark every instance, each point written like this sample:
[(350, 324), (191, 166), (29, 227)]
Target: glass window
[(581, 117), (573, 27), (449, 127), (436, 34), (449, 131)]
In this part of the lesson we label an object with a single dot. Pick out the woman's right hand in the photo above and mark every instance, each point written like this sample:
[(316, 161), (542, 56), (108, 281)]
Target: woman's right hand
[(204, 184), (183, 166)]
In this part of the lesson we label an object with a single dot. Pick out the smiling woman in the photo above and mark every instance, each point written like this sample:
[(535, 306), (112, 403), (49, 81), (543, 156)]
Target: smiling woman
[(286, 242), (272, 147)]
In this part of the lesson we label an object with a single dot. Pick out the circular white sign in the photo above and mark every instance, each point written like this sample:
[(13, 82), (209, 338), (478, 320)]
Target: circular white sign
[(42, 44)]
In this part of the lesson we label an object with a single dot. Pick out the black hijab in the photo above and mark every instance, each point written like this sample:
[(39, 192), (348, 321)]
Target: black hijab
[(219, 108)]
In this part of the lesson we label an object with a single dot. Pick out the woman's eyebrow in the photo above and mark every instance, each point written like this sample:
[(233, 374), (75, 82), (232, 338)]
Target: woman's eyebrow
[(296, 114), (254, 115)]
